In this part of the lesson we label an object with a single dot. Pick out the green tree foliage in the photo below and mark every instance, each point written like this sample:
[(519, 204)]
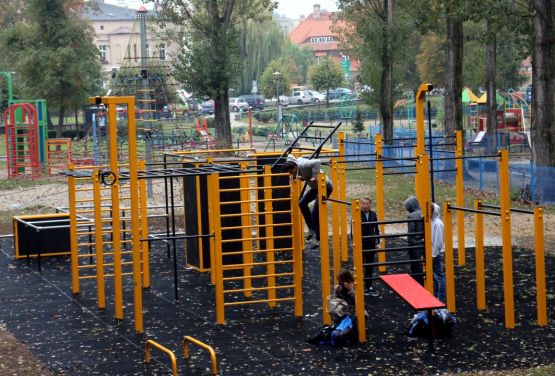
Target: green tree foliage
[(270, 85), (210, 62), (325, 75), (262, 42), (53, 54), (430, 60), (358, 124)]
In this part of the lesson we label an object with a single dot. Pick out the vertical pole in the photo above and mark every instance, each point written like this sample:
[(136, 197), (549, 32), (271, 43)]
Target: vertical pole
[(145, 246), (297, 248), (216, 263), (430, 140), (336, 250), (449, 259), (250, 126), (116, 223), (145, 97), (427, 210), (460, 200), (324, 247), (540, 266), (480, 264), (246, 231), (359, 270), (269, 224), (504, 188), (98, 241), (342, 196), (73, 233), (212, 193), (420, 97), (199, 221), (380, 205)]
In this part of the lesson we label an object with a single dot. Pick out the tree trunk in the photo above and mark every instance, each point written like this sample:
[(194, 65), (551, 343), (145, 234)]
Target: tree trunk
[(491, 84), (543, 79), (61, 115), (542, 130), (223, 121), (453, 92), (386, 97)]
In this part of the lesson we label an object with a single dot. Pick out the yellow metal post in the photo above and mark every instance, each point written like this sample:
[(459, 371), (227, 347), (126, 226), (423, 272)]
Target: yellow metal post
[(73, 233), (213, 199), (426, 205), (246, 231), (188, 339), (98, 240), (540, 266), (420, 99), (216, 265), (336, 250), (116, 222), (297, 249), (145, 246), (199, 223), (460, 199), (342, 196), (324, 247), (164, 350), (449, 259), (135, 214), (359, 270), (380, 205), (504, 188), (480, 263), (269, 222)]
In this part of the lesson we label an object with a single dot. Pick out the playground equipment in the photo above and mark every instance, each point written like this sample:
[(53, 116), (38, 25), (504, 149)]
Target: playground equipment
[(186, 341), (22, 141), (58, 154), (202, 130), (20, 120)]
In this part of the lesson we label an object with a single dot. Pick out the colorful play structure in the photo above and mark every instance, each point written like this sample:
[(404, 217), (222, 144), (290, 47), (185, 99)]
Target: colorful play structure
[(244, 227)]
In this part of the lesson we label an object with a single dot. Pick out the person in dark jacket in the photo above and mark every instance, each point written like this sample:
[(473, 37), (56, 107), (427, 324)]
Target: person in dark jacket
[(369, 245), (307, 170), (415, 239)]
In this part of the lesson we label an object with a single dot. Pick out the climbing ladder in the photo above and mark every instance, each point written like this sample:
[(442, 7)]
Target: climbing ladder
[(58, 154), (22, 150)]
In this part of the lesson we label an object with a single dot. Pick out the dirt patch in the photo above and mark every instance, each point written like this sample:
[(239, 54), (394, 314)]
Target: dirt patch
[(16, 359)]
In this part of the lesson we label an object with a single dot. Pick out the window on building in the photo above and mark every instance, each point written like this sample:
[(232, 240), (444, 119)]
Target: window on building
[(162, 51), (103, 49)]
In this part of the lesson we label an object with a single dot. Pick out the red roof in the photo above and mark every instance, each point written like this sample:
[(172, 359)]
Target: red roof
[(313, 26)]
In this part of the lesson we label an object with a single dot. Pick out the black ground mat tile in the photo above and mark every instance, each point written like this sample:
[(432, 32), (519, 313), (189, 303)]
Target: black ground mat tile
[(72, 336)]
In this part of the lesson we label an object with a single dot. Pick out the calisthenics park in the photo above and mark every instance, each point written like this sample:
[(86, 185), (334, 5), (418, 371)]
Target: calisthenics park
[(113, 284)]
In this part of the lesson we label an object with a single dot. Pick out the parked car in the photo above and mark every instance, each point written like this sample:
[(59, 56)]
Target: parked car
[(255, 101), (283, 100), (316, 97), (208, 107), (300, 97), (340, 92), (238, 104)]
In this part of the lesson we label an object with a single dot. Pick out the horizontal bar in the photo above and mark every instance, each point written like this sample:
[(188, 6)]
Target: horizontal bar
[(399, 173), (400, 262), (265, 288), (255, 188), (469, 210), (384, 236), (256, 226), (392, 249), (258, 238), (258, 251), (257, 276), (241, 266), (516, 210), (256, 213), (338, 201), (255, 201), (258, 301)]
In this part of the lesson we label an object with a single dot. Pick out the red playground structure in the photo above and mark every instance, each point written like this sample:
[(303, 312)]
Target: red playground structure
[(22, 143)]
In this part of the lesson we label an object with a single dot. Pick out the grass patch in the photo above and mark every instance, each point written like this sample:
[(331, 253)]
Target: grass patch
[(21, 183)]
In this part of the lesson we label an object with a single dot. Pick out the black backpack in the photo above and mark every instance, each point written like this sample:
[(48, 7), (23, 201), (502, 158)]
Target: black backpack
[(443, 322)]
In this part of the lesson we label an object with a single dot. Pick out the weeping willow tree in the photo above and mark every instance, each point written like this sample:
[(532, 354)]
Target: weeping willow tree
[(261, 43)]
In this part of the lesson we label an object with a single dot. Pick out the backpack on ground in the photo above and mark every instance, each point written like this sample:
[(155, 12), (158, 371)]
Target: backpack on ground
[(443, 322)]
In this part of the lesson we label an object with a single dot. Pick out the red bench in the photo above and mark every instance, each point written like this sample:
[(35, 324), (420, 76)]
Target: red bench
[(415, 295)]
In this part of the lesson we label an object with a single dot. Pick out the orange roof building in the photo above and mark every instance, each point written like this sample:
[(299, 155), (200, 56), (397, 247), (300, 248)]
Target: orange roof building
[(315, 32)]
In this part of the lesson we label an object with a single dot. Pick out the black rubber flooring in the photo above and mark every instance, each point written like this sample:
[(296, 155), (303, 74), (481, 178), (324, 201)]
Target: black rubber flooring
[(72, 337)]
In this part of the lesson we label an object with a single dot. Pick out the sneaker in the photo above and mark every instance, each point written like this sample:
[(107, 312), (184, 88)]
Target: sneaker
[(369, 291), (310, 234)]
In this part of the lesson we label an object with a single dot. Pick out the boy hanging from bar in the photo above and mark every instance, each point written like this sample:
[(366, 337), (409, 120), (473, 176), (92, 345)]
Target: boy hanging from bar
[(370, 243), (307, 170)]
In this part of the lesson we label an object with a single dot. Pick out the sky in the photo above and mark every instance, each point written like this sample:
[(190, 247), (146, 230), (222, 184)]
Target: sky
[(289, 8)]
